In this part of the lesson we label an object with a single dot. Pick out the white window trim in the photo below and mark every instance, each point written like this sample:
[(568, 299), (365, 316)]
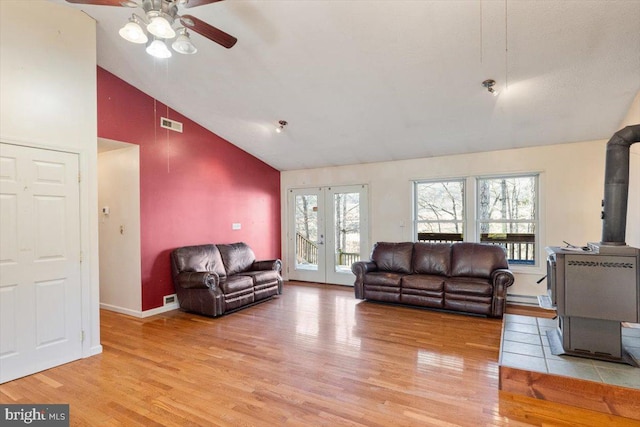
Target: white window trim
[(471, 223), (414, 199)]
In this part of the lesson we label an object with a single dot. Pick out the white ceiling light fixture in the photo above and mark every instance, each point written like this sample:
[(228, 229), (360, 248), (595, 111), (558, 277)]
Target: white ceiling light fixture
[(160, 25), (183, 44), (489, 84), (158, 49), (133, 32), (281, 125)]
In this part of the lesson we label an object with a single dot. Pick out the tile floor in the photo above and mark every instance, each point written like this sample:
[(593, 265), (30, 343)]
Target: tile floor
[(525, 346)]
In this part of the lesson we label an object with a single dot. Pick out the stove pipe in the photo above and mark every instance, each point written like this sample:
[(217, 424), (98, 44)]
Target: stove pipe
[(616, 186)]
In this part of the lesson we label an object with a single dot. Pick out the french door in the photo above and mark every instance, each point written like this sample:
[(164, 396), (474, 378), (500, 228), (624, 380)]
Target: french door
[(328, 231)]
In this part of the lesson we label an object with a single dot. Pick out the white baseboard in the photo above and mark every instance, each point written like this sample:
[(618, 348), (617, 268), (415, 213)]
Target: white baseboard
[(138, 313), (163, 309), (121, 310), (97, 349)]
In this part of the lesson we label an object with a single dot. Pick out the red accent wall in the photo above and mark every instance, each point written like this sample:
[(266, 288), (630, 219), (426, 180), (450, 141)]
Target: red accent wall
[(193, 185)]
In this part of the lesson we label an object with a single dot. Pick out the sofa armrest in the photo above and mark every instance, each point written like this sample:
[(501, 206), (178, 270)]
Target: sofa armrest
[(360, 268), (271, 264), (197, 280), (501, 280)]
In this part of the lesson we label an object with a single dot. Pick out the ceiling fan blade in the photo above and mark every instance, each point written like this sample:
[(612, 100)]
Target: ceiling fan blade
[(206, 30), (121, 3), (194, 3)]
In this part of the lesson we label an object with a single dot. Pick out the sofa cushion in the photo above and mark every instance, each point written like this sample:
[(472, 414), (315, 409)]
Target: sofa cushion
[(468, 286), (476, 259), (423, 290), (237, 257), (394, 257), (432, 258), (199, 258), (423, 282), (262, 277), (237, 283), (382, 278)]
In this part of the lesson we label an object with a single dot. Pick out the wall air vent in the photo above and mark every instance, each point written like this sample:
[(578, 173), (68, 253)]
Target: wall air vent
[(170, 299), (170, 124)]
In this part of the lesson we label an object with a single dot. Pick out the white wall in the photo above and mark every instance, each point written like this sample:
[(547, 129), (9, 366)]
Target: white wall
[(48, 99), (120, 264), (571, 184)]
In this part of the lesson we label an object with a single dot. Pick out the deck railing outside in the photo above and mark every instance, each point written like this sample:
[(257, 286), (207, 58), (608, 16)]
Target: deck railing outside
[(520, 247), (307, 253), (347, 258), (306, 250)]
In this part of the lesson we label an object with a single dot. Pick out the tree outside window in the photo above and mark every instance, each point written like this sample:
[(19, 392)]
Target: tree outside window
[(507, 215), (439, 210)]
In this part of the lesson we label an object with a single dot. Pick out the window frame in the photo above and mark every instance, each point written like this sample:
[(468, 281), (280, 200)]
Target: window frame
[(535, 221), (471, 221), (462, 222)]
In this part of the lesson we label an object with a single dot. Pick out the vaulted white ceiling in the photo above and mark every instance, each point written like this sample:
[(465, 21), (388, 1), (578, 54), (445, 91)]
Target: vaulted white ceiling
[(366, 81)]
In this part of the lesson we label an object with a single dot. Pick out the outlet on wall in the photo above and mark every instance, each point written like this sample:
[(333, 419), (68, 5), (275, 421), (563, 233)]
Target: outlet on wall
[(236, 226)]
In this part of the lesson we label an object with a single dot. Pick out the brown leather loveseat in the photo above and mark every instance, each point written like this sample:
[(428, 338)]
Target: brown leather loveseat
[(467, 277), (215, 279)]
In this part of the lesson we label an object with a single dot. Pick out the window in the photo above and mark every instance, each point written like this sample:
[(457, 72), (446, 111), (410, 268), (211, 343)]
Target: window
[(506, 213), (439, 210)]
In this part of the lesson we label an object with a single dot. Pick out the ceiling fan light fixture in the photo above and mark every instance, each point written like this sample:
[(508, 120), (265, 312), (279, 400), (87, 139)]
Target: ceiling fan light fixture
[(133, 32), (160, 26), (183, 44), (158, 49), (162, 20)]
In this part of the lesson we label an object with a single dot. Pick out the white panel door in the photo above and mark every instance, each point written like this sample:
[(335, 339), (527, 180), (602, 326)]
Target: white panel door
[(40, 292)]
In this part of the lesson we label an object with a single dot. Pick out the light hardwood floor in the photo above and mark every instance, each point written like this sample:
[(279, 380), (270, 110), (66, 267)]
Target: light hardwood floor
[(313, 356)]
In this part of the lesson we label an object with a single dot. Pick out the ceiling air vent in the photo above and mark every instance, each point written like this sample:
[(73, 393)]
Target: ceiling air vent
[(170, 124)]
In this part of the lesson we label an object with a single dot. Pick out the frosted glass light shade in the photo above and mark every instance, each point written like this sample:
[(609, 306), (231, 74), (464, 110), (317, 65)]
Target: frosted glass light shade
[(158, 49), (160, 27), (183, 45), (133, 32)]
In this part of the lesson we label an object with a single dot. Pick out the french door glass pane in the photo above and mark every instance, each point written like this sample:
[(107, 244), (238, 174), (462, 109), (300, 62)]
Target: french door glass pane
[(306, 218), (346, 207)]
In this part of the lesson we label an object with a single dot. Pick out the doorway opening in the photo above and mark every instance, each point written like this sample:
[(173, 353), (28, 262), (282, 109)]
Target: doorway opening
[(119, 227)]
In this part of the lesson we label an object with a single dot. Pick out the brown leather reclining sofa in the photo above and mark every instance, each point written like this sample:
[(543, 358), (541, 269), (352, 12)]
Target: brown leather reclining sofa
[(216, 279), (467, 277)]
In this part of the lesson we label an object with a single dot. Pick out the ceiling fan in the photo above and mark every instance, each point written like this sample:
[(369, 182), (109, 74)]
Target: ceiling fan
[(162, 22)]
